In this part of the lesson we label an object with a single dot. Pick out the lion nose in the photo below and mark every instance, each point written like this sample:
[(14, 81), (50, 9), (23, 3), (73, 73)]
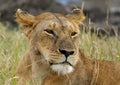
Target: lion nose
[(66, 53)]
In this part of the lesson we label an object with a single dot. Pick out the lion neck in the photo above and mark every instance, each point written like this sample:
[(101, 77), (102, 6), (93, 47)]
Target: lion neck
[(40, 69), (88, 70)]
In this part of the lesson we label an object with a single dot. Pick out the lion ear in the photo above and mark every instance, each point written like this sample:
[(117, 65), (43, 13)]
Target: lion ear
[(76, 16), (26, 20)]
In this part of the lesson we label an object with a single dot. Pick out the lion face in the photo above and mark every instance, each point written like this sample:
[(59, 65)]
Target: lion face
[(56, 38), (58, 43)]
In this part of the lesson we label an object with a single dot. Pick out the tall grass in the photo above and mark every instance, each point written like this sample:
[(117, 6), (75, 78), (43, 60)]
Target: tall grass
[(13, 44), (105, 48)]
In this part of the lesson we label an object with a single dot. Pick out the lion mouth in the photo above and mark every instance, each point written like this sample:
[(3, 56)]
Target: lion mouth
[(64, 62)]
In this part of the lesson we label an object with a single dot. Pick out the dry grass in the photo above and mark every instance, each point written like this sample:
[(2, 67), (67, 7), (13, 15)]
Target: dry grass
[(13, 44)]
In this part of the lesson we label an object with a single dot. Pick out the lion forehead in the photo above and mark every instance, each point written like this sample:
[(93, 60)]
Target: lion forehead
[(57, 24)]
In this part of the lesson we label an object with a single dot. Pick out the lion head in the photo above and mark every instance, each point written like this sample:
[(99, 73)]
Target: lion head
[(54, 36)]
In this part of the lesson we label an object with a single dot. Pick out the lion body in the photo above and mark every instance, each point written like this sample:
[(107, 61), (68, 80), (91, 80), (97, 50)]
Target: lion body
[(54, 57)]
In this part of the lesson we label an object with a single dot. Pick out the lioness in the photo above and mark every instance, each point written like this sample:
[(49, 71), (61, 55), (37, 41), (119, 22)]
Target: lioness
[(54, 57)]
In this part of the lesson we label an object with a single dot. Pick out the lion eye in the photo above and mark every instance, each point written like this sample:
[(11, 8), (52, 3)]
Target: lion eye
[(73, 34), (49, 32)]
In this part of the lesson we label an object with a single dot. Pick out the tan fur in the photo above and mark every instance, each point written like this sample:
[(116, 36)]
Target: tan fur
[(48, 33)]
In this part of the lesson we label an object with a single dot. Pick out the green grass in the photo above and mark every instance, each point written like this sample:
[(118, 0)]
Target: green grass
[(13, 44)]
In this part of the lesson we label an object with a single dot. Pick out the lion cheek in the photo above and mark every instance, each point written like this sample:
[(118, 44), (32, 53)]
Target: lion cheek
[(73, 60)]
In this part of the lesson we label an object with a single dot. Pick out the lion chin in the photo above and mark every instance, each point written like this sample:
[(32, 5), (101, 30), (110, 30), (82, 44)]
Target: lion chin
[(62, 69)]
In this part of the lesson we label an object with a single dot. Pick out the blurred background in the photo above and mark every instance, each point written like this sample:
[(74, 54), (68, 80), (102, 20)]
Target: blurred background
[(102, 15)]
